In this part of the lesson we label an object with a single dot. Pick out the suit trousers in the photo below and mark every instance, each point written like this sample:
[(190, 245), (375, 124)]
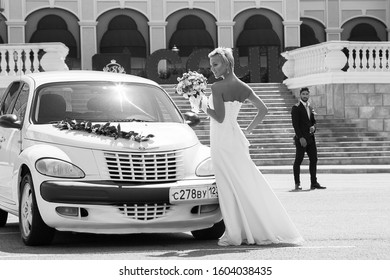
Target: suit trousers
[(311, 150)]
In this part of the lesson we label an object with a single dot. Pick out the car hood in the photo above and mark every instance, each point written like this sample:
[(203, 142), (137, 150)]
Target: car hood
[(166, 136)]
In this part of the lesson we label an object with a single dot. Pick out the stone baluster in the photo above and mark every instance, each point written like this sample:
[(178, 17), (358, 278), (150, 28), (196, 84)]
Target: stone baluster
[(35, 62), (377, 61), (386, 57), (18, 61), (11, 62), (358, 59), (27, 60), (364, 59), (351, 60), (3, 63)]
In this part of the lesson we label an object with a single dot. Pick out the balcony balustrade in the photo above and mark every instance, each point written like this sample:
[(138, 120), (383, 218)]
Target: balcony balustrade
[(337, 62), (19, 59)]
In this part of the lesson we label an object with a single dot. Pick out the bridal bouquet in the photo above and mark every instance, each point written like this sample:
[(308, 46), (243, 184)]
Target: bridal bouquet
[(192, 86)]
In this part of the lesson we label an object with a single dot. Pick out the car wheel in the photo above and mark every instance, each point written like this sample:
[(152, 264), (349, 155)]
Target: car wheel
[(33, 229), (212, 233), (3, 217)]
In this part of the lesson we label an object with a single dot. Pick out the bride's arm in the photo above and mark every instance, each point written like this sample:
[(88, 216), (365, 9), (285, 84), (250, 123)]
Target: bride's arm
[(261, 112)]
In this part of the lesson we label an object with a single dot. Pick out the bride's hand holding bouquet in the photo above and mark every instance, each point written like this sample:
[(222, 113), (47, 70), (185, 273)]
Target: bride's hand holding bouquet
[(192, 86)]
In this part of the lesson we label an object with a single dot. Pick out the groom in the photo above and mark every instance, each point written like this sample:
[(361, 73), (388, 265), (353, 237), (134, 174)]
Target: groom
[(304, 123)]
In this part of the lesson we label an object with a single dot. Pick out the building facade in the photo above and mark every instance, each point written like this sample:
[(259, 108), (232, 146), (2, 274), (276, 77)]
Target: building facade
[(138, 33)]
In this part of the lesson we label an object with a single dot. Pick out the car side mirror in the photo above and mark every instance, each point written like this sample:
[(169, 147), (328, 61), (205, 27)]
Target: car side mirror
[(10, 121), (191, 118)]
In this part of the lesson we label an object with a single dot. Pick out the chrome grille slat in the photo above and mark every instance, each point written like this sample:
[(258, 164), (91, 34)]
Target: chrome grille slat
[(145, 167), (144, 212)]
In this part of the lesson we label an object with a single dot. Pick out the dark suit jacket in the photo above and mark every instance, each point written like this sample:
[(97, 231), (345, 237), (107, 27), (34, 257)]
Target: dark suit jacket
[(302, 123)]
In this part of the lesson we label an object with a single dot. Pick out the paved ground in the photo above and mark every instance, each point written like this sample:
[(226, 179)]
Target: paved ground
[(347, 222)]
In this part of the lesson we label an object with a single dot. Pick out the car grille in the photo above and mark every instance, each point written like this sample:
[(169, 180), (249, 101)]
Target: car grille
[(145, 167), (144, 212)]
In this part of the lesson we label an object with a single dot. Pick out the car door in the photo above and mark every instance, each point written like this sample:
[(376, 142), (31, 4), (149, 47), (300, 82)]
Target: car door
[(10, 138)]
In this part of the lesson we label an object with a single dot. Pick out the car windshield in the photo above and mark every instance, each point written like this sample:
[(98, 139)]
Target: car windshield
[(103, 102)]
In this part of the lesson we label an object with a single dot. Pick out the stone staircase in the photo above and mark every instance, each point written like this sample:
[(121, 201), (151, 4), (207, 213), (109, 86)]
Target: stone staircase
[(342, 146)]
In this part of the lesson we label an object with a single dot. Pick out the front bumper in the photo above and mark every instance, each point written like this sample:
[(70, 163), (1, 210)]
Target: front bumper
[(109, 207), (108, 192)]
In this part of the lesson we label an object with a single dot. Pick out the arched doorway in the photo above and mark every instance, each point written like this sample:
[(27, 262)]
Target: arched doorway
[(190, 35), (259, 40), (364, 29), (363, 32), (53, 28), (123, 36), (308, 36)]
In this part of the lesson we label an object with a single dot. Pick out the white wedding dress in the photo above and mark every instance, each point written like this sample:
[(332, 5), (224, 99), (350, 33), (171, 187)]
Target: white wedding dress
[(251, 211)]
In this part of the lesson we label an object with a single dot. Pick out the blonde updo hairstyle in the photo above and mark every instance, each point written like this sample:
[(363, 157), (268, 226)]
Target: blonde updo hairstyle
[(226, 54)]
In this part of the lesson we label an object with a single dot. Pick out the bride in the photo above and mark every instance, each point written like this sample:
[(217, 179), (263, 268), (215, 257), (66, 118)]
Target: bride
[(251, 211)]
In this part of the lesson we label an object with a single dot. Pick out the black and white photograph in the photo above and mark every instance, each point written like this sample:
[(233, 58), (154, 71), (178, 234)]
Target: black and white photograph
[(195, 139)]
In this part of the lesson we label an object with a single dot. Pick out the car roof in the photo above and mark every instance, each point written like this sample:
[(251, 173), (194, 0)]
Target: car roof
[(85, 75)]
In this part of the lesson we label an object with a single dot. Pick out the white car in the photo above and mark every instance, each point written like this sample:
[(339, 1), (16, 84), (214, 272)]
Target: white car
[(98, 152)]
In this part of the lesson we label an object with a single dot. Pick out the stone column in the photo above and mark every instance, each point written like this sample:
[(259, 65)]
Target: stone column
[(333, 31), (16, 31), (292, 23), (224, 12), (333, 34), (158, 40), (88, 50), (292, 34), (225, 34)]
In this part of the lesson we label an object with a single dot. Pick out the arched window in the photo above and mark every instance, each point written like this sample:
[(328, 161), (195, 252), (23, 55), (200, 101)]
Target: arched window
[(364, 32), (53, 28), (191, 34), (123, 36)]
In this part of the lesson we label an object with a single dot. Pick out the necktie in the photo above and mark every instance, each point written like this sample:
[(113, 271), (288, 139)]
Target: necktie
[(307, 109)]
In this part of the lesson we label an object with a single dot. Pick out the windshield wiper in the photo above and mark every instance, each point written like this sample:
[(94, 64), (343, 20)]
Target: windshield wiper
[(131, 120)]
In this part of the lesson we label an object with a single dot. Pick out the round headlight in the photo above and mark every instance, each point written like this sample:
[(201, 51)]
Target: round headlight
[(205, 168), (58, 168)]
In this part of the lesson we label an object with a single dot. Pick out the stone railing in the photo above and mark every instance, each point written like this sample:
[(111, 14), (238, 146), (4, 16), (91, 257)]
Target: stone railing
[(348, 80), (336, 61), (19, 59)]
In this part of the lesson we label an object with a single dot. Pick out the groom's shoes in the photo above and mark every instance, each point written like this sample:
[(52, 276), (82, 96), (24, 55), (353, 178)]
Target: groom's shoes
[(297, 187), (317, 186)]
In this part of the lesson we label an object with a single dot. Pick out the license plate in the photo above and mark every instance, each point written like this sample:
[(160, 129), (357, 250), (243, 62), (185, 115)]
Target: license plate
[(193, 193)]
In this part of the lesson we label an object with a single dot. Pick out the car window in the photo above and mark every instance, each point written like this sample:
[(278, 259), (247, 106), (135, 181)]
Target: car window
[(9, 96), (21, 103), (103, 102)]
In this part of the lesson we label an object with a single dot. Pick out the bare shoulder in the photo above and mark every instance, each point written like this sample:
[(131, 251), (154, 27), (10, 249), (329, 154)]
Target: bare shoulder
[(219, 85), (247, 91), (217, 89)]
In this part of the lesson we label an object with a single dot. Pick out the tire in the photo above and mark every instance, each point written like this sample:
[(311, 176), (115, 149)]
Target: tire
[(3, 217), (211, 233), (33, 229)]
